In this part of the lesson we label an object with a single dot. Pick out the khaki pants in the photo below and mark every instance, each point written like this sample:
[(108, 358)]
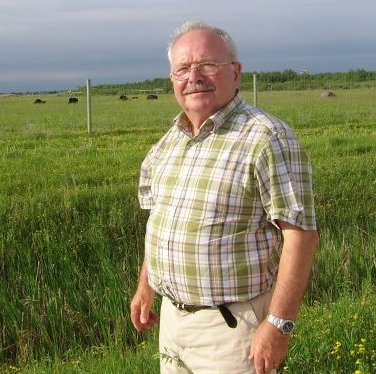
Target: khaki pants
[(202, 343)]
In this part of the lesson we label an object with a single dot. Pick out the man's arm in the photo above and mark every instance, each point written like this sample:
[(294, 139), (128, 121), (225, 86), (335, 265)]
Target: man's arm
[(141, 315), (269, 345)]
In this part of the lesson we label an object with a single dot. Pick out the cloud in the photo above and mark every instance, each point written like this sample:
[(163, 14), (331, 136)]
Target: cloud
[(56, 43)]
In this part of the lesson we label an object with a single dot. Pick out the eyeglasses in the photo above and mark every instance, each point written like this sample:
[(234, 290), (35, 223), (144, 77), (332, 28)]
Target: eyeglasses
[(182, 72)]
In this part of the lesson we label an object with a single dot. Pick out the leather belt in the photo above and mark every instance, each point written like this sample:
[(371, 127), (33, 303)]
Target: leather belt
[(226, 313), (191, 308)]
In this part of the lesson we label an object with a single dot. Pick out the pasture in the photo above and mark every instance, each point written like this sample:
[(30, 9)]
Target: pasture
[(71, 233)]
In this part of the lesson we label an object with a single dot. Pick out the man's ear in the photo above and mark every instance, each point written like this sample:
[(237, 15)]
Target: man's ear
[(237, 71)]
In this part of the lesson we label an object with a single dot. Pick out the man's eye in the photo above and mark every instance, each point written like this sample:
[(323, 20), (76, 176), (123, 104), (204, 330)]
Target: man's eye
[(208, 65), (182, 70)]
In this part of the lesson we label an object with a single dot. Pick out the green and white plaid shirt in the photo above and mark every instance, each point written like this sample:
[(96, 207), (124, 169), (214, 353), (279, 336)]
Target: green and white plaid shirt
[(211, 237)]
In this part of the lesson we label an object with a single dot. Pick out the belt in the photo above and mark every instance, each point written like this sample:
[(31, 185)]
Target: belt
[(226, 313)]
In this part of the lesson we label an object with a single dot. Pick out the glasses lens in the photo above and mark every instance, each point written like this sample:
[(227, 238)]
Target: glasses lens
[(181, 73), (207, 68)]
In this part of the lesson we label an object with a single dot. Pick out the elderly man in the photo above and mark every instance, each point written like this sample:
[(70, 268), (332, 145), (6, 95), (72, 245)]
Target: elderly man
[(231, 235)]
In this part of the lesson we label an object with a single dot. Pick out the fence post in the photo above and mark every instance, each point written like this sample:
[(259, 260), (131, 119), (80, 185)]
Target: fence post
[(88, 106), (254, 89)]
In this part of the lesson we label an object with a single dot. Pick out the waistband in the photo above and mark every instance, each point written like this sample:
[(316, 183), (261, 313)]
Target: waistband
[(226, 313)]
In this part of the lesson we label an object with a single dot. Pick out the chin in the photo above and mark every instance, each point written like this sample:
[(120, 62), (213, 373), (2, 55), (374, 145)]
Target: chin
[(201, 107)]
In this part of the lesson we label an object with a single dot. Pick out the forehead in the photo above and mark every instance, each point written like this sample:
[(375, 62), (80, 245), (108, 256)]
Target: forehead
[(198, 45)]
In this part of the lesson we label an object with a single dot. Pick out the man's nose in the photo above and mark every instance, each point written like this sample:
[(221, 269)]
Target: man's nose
[(194, 73)]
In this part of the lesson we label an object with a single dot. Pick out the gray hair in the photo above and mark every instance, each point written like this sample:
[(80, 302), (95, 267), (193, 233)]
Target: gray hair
[(192, 25)]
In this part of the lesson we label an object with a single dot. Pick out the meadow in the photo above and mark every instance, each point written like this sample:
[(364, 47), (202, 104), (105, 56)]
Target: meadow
[(71, 232)]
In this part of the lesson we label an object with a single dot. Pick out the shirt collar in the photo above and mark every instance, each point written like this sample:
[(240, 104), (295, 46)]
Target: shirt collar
[(213, 123)]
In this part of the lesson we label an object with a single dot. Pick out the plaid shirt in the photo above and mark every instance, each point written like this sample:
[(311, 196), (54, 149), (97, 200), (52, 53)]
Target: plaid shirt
[(211, 237)]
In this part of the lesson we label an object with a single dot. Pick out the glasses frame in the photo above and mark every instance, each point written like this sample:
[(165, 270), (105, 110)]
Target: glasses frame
[(198, 66)]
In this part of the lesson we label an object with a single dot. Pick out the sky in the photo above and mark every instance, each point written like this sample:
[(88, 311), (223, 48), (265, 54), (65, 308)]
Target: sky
[(50, 45)]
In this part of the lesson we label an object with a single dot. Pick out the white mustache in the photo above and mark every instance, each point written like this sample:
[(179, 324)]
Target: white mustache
[(198, 87)]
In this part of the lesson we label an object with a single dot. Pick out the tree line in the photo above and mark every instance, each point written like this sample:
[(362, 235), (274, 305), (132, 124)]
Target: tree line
[(275, 80)]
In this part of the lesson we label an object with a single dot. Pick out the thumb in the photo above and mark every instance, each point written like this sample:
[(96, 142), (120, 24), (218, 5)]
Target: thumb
[(144, 316)]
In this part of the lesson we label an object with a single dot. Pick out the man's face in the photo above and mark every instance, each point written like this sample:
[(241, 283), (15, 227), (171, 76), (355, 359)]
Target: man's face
[(200, 95)]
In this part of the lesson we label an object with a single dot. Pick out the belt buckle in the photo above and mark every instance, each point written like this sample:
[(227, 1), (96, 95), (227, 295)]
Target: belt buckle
[(186, 308), (179, 306)]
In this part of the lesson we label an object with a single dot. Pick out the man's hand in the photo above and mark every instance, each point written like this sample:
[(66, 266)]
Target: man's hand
[(268, 348), (141, 315), (269, 345)]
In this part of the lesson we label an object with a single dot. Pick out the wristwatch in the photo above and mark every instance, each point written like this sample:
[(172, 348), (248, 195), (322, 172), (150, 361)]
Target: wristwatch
[(286, 326)]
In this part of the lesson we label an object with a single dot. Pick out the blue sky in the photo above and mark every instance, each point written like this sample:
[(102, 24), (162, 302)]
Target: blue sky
[(58, 44)]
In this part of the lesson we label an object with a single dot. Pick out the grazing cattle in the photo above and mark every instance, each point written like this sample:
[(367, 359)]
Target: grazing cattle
[(328, 94), (123, 97), (39, 101), (72, 100), (152, 97)]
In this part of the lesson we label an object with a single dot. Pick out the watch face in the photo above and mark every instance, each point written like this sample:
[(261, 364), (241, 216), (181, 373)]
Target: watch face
[(287, 327)]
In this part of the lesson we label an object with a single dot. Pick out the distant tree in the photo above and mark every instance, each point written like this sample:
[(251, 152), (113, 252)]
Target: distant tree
[(275, 80)]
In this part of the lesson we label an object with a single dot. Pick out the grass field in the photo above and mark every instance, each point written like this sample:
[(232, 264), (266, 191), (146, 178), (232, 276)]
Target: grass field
[(71, 233)]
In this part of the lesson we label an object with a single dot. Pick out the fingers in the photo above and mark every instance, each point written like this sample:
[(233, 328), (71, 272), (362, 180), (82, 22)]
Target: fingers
[(135, 312), (141, 316), (144, 314), (145, 324), (140, 322), (263, 366), (268, 348)]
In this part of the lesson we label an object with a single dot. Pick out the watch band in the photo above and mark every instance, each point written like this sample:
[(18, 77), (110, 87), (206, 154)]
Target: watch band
[(286, 326)]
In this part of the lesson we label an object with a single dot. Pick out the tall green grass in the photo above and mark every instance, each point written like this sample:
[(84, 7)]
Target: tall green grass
[(71, 232)]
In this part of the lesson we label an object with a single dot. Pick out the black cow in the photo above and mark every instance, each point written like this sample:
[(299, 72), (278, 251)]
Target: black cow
[(152, 97), (39, 101), (72, 100), (123, 97)]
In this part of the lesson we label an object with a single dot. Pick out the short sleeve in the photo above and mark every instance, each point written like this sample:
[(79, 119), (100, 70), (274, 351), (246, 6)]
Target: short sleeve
[(284, 176)]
